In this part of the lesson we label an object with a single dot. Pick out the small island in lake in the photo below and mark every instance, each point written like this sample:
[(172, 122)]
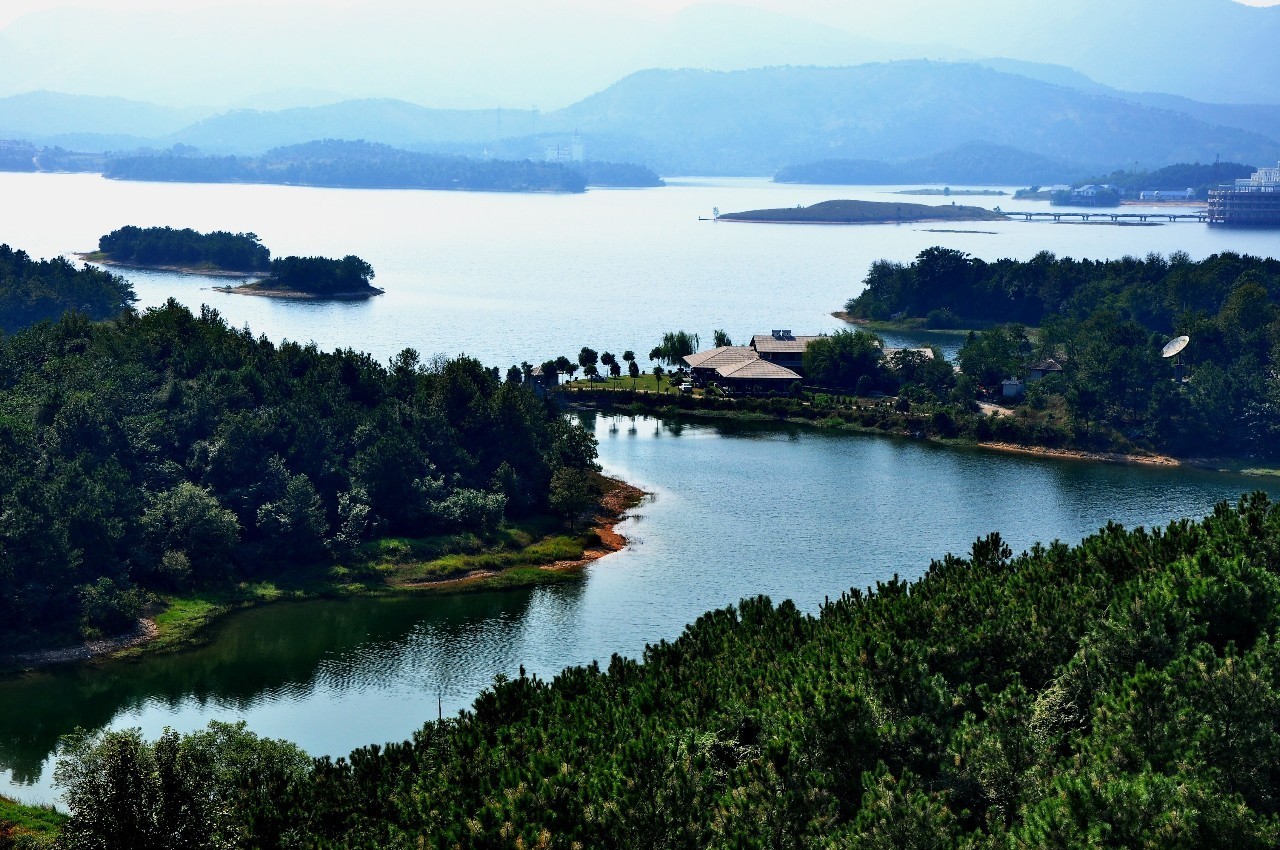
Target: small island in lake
[(864, 212), (313, 277), (219, 253)]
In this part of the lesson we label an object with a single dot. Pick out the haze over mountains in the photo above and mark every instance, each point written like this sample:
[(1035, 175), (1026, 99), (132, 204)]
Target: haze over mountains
[(490, 53), (843, 81)]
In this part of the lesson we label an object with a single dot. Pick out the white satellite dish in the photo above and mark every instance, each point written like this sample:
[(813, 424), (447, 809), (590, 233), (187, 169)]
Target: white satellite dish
[(1174, 347)]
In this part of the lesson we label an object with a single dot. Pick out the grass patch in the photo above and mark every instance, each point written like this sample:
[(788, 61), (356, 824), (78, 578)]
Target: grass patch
[(17, 822)]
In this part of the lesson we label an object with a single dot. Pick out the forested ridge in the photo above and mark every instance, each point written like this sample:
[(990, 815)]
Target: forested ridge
[(167, 452), (34, 290), (1124, 692)]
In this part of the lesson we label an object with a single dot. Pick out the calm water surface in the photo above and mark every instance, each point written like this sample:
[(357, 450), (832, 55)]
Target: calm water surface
[(511, 277), (735, 511)]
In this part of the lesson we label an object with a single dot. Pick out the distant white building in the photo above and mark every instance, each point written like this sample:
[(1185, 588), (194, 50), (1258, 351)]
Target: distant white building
[(1263, 178), (575, 151)]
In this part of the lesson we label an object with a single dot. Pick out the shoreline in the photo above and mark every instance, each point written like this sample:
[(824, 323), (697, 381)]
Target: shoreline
[(98, 260), (1081, 454), (614, 506), (1049, 452), (247, 289)]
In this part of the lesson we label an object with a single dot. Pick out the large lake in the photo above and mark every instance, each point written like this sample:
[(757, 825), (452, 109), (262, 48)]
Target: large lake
[(735, 511)]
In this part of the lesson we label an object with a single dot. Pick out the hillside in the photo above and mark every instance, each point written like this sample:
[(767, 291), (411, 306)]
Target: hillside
[(934, 117), (975, 163), (761, 120)]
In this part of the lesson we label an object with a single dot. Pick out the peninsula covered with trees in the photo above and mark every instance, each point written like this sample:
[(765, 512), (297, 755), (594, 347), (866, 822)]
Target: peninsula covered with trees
[(1125, 688), (165, 455), (1104, 325), (185, 249), (864, 212)]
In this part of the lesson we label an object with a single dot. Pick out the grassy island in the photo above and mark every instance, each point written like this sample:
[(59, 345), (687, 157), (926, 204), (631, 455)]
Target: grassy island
[(864, 212), (313, 277)]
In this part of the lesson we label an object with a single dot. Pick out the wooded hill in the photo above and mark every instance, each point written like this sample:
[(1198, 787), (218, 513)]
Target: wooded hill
[(1119, 693), (166, 452)]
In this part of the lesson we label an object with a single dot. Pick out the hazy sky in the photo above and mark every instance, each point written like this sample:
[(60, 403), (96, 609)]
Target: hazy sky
[(502, 53)]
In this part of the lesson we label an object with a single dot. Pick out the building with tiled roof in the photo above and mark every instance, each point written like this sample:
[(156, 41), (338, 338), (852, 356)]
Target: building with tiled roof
[(783, 348)]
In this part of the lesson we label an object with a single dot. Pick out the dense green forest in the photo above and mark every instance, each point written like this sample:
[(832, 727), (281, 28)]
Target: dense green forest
[(319, 276), (865, 212), (1123, 692), (166, 452), (352, 165), (1105, 323), (34, 290), (186, 247)]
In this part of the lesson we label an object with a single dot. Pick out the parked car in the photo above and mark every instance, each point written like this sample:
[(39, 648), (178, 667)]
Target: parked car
[(686, 387)]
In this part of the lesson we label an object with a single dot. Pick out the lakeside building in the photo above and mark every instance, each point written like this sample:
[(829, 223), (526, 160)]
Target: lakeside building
[(782, 348), (1252, 202), (770, 363)]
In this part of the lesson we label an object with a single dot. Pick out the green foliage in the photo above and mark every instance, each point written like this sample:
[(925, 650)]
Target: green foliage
[(675, 346), (166, 451), (844, 359), (320, 275), (35, 290), (219, 788), (186, 247)]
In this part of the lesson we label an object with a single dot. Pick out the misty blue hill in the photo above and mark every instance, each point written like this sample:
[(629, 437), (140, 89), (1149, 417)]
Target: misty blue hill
[(1259, 118), (754, 122), (975, 163), (391, 122), (50, 117)]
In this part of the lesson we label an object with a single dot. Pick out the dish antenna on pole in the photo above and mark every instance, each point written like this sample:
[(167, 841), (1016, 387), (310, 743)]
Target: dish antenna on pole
[(1174, 347)]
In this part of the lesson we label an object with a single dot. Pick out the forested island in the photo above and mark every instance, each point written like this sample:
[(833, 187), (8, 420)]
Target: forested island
[(343, 164), (184, 250), (313, 277), (864, 212), (36, 290), (1125, 687)]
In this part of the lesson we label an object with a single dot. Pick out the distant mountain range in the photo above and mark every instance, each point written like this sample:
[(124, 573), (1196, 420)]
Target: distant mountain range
[(931, 119)]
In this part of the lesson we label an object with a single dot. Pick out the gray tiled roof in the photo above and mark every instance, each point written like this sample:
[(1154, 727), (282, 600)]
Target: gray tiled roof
[(725, 355), (757, 370), (767, 343)]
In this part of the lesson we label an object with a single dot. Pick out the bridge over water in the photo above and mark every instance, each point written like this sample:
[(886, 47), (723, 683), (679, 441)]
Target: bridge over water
[(1117, 218)]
